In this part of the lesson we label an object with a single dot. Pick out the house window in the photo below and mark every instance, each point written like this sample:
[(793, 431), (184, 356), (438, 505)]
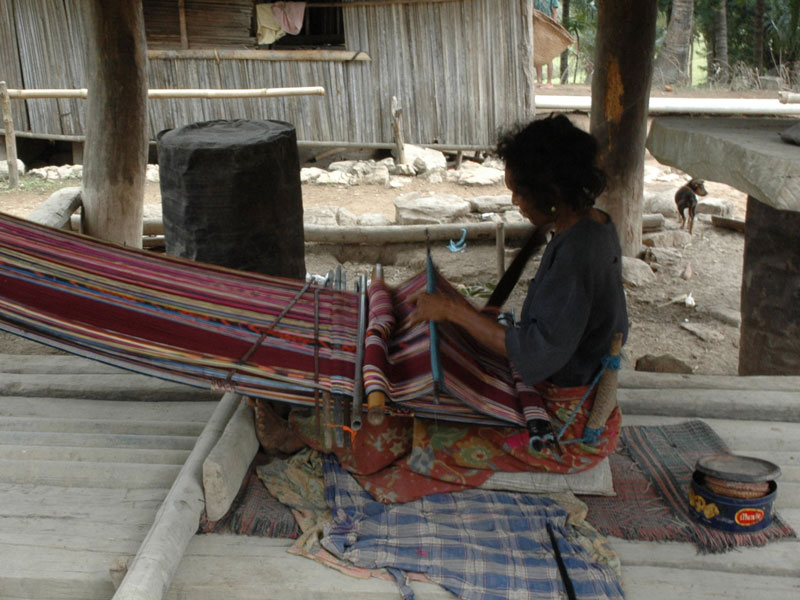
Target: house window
[(322, 27)]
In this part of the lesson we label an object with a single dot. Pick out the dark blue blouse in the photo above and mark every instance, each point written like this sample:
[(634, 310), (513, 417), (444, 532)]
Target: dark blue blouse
[(574, 306)]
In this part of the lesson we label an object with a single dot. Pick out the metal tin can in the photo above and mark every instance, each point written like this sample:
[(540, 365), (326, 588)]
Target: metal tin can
[(730, 514)]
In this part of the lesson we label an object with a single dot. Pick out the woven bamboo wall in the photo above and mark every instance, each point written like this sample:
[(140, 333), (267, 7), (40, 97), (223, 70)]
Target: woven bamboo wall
[(460, 69)]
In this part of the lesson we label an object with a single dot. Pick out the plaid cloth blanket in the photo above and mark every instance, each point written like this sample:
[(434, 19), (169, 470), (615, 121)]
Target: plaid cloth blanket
[(478, 544)]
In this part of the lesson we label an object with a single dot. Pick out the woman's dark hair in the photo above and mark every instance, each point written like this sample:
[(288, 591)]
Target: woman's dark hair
[(552, 158)]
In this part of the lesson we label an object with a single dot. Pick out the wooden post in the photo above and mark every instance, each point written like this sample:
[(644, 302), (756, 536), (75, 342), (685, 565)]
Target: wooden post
[(182, 21), (500, 248), (626, 31), (770, 295), (397, 129), (116, 128), (11, 142)]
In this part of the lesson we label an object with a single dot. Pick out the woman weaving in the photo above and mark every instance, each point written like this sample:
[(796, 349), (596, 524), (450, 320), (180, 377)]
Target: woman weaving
[(573, 309)]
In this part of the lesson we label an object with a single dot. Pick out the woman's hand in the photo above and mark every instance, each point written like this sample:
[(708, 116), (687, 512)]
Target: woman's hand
[(430, 307), (435, 307)]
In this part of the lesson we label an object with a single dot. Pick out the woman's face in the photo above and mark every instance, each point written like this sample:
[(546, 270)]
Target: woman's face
[(522, 201)]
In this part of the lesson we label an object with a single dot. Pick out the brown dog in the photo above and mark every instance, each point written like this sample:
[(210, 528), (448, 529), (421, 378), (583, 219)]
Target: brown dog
[(686, 200)]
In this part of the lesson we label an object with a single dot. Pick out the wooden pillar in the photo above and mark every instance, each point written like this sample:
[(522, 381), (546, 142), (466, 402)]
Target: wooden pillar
[(10, 137), (626, 31), (116, 128), (770, 335)]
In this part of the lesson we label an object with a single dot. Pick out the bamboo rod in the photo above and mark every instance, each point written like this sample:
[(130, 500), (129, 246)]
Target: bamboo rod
[(181, 93), (788, 97), (269, 55), (11, 144)]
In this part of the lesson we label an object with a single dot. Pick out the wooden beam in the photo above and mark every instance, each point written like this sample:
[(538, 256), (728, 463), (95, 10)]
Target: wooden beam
[(150, 573), (626, 31), (11, 142), (116, 128)]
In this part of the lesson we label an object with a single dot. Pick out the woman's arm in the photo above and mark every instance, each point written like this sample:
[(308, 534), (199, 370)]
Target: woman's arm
[(438, 308)]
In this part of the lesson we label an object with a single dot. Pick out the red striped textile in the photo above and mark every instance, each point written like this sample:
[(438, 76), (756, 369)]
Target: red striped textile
[(223, 329), (174, 318)]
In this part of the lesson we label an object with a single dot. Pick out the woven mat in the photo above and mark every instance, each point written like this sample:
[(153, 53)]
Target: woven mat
[(254, 511), (652, 469)]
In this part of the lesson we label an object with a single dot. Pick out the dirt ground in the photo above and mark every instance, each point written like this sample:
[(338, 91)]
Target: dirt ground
[(714, 256)]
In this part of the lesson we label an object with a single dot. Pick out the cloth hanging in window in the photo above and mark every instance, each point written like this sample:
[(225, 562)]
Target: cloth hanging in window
[(269, 30), (289, 16)]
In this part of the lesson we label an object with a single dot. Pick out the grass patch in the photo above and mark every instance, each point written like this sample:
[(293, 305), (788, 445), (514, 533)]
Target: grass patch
[(37, 185)]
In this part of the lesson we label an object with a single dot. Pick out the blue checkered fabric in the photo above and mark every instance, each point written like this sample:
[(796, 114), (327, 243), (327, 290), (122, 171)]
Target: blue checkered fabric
[(478, 544)]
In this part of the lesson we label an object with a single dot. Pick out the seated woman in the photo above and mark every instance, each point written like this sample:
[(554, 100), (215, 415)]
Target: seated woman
[(576, 302), (573, 309)]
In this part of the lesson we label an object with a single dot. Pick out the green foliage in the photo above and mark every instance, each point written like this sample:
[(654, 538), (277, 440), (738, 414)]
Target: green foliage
[(781, 36)]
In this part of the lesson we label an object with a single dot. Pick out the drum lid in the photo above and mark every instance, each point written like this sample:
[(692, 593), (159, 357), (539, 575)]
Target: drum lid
[(733, 467)]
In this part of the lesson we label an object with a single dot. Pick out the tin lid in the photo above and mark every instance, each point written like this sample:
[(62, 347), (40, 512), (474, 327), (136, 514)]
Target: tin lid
[(733, 467)]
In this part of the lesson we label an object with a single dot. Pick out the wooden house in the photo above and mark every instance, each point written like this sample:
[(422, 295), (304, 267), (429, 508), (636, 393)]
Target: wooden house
[(460, 69)]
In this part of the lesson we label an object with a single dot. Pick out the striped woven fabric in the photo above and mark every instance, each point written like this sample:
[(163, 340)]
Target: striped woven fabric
[(479, 386), (188, 322), (223, 329)]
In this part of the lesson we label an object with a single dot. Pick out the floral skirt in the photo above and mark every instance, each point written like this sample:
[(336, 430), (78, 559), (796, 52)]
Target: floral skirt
[(408, 457)]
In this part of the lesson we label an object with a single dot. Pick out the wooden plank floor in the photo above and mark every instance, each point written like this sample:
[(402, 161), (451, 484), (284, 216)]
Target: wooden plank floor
[(77, 492)]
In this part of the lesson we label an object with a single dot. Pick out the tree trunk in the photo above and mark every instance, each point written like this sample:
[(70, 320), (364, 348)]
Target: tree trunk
[(626, 32), (116, 128), (721, 66), (758, 36), (565, 53), (672, 64)]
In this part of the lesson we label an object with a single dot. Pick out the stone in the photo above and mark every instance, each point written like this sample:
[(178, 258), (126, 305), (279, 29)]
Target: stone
[(687, 272), (662, 363), (373, 220), (403, 170), (424, 159), (342, 165), (336, 178), (494, 162), (652, 222), (770, 82), (481, 176), (662, 203), (4, 168), (704, 332), (636, 272), (668, 257), (346, 218), (320, 215), (418, 208), (667, 239), (378, 176), (490, 204), (311, 174), (398, 182), (652, 173), (152, 174), (715, 206)]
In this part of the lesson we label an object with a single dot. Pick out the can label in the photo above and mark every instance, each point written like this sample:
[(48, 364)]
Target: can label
[(749, 516)]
